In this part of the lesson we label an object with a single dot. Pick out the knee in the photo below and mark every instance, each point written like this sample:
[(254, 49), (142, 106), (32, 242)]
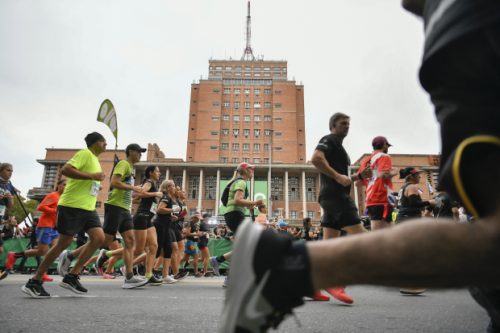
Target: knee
[(152, 248), (175, 248), (42, 252)]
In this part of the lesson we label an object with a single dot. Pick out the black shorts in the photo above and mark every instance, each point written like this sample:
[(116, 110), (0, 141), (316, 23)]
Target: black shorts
[(402, 217), (175, 234), (234, 219), (381, 212), (143, 221), (71, 221), (116, 219), (339, 213)]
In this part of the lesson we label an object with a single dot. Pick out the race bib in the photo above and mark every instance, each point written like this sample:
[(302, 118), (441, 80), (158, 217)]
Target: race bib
[(2, 210), (349, 171), (175, 207), (94, 190), (154, 208)]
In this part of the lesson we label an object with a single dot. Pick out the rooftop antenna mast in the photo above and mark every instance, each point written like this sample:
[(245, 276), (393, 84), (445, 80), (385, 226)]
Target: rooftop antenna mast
[(248, 53)]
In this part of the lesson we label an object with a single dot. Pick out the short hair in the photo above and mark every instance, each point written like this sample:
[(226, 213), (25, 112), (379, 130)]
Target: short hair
[(165, 184), (378, 147), (260, 207), (336, 116), (4, 166)]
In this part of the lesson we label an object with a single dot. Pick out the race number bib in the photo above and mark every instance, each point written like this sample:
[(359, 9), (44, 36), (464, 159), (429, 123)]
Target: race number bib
[(175, 207), (154, 208), (94, 190), (349, 171)]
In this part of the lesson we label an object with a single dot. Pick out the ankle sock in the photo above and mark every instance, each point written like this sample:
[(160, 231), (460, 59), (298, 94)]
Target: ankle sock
[(109, 254), (148, 275), (130, 275), (296, 269)]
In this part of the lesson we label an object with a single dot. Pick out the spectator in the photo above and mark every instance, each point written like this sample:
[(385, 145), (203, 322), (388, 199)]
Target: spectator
[(283, 227), (262, 218), (297, 233), (218, 236)]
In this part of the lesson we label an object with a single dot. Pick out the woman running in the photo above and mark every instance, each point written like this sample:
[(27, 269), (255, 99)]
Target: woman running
[(192, 236), (45, 234), (178, 241), (411, 203), (307, 232)]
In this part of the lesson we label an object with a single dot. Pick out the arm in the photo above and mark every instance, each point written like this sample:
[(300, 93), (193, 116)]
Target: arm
[(367, 172), (427, 212), (44, 206), (415, 200), (239, 201), (162, 208), (10, 199), (386, 174), (71, 172), (320, 162), (146, 194), (116, 183), (456, 213)]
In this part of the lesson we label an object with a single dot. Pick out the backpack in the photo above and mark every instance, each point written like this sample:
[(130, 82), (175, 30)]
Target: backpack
[(225, 194)]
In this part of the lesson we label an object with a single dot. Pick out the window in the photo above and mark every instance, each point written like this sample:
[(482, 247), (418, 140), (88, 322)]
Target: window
[(98, 204), (248, 68), (267, 105), (246, 117), (277, 148), (257, 68), (223, 159), (215, 104), (267, 118), (310, 214), (257, 74), (256, 132), (214, 132), (248, 74), (277, 119), (267, 91), (213, 147), (235, 160), (227, 90), (218, 73), (218, 67), (276, 214), (267, 68), (236, 146), (277, 105), (228, 68), (267, 132), (224, 146), (237, 91), (256, 160), (216, 91), (276, 68), (277, 92), (225, 117), (176, 178), (256, 146), (260, 178), (247, 91), (294, 214), (236, 104), (225, 131), (267, 74), (246, 131), (311, 188), (210, 211), (226, 104), (277, 133), (256, 104), (293, 188), (266, 146), (246, 104), (266, 160), (192, 211), (256, 117), (236, 131), (237, 73), (193, 186), (228, 73), (246, 146), (236, 117), (210, 187), (257, 91), (238, 68), (246, 160), (284, 69), (277, 188), (210, 67)]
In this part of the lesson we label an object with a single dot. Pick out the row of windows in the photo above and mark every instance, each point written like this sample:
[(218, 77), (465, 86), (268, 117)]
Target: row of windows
[(246, 132), (293, 188), (246, 74), (247, 104), (247, 82), (247, 68), (236, 117), (245, 160), (247, 91), (294, 214)]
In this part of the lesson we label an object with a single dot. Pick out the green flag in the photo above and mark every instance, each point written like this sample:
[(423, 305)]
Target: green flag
[(107, 115)]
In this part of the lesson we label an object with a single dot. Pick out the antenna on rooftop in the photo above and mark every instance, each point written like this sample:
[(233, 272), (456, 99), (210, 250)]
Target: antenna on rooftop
[(248, 53)]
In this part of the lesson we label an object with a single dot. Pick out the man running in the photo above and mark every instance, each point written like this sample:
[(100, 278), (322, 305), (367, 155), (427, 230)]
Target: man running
[(445, 206), (379, 198), (75, 212), (117, 214)]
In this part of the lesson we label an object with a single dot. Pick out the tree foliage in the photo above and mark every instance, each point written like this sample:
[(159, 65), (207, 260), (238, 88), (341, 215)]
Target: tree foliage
[(18, 212)]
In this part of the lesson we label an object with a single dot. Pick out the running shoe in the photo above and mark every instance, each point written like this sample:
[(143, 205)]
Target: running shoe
[(134, 282), (46, 278), (101, 259), (412, 291), (99, 271), (35, 289), (11, 260), (261, 292), (108, 276), (318, 296), (339, 293), (73, 284), (153, 281), (64, 263), (122, 270), (168, 279), (215, 265), (208, 275), (181, 275), (4, 274), (115, 273), (199, 275), (15, 272), (224, 284)]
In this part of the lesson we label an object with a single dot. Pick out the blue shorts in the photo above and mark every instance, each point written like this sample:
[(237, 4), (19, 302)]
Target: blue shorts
[(189, 248), (46, 235)]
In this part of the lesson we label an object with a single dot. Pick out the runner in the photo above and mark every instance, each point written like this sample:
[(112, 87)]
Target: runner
[(307, 231), (117, 216), (379, 199), (176, 235), (32, 245), (179, 224), (45, 234), (203, 244), (192, 236), (339, 209), (236, 207), (6, 202), (75, 212), (445, 206)]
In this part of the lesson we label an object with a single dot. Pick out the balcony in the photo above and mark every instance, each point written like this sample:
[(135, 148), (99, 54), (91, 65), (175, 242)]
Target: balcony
[(39, 193)]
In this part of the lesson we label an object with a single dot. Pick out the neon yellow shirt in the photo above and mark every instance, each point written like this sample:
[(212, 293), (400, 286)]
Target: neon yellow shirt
[(80, 193), (241, 185), (122, 198)]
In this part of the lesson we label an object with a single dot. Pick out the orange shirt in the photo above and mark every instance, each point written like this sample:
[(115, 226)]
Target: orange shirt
[(378, 190), (49, 209)]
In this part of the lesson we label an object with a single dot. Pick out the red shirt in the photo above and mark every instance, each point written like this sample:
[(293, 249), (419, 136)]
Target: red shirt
[(49, 209), (378, 190)]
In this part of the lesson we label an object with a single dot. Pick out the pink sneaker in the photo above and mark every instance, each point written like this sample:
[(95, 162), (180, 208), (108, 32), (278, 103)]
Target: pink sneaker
[(339, 293), (108, 276), (11, 260), (46, 278)]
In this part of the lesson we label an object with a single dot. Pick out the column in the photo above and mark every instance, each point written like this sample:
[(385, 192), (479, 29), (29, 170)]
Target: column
[(251, 189), (269, 202), (217, 194), (184, 179), (167, 174), (200, 191), (304, 207), (285, 194)]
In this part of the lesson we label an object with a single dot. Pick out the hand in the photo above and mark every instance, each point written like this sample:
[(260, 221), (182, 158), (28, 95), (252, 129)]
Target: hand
[(99, 176), (260, 202), (344, 180), (159, 194), (175, 218), (432, 202), (185, 211), (135, 195), (137, 189), (367, 172), (273, 224), (8, 196)]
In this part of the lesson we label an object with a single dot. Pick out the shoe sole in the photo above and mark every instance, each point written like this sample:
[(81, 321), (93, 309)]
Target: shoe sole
[(4, 275), (70, 287), (182, 277), (62, 263), (242, 275), (154, 283), (99, 256), (134, 285), (31, 293), (408, 292), (170, 282)]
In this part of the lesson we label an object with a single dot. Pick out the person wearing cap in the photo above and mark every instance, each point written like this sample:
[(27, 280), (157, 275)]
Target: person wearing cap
[(379, 198), (192, 236), (283, 227), (75, 212), (237, 204)]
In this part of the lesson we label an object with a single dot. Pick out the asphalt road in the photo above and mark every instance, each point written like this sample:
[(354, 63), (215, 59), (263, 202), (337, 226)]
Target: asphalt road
[(194, 305)]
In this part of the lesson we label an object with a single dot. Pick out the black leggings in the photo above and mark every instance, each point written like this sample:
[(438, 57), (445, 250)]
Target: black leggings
[(164, 240)]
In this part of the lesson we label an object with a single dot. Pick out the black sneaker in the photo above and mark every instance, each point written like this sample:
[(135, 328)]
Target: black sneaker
[(101, 259), (259, 295), (153, 281), (35, 289), (180, 275), (73, 284)]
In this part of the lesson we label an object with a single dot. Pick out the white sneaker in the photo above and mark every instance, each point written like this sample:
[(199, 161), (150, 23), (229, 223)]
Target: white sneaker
[(64, 263), (134, 282), (168, 279)]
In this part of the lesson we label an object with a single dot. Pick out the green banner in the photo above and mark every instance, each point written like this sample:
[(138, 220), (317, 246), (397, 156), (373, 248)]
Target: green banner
[(259, 192), (107, 115)]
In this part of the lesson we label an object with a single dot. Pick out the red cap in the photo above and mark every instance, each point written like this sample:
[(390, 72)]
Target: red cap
[(244, 166), (379, 140)]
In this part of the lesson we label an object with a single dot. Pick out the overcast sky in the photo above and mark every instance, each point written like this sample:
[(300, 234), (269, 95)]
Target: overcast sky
[(60, 59)]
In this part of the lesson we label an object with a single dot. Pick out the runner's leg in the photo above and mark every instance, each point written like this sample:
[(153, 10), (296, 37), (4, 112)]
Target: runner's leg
[(96, 236)]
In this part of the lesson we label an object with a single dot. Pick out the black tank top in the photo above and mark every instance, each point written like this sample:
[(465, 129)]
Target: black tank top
[(305, 233), (145, 205), (405, 203)]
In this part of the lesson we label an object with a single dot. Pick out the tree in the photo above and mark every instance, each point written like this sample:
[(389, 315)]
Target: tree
[(18, 212)]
